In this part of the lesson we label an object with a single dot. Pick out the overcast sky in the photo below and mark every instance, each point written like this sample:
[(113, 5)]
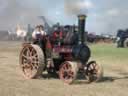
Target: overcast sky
[(104, 16)]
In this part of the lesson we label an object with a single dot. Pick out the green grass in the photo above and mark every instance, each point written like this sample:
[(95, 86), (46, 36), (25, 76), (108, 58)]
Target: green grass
[(109, 51), (110, 56)]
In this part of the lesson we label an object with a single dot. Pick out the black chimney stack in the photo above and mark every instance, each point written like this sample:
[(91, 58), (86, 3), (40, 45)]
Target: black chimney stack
[(81, 28)]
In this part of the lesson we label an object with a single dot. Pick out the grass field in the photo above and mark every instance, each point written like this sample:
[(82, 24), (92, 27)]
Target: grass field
[(115, 81)]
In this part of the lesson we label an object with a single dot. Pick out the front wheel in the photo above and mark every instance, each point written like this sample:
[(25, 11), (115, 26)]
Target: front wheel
[(68, 71), (94, 72)]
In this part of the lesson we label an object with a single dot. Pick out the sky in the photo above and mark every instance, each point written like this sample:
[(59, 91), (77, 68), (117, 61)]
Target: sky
[(103, 16)]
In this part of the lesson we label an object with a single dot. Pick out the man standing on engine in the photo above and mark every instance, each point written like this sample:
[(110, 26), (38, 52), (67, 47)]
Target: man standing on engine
[(38, 32), (39, 36)]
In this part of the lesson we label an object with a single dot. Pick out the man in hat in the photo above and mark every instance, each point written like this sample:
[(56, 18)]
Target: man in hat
[(38, 32), (39, 36)]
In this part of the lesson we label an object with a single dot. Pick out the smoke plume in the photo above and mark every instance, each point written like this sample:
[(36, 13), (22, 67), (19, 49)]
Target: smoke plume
[(23, 12), (75, 7)]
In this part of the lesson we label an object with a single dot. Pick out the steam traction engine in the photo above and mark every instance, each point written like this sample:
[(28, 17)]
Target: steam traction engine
[(65, 57)]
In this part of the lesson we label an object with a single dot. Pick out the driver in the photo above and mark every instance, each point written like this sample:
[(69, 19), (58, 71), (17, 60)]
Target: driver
[(39, 36), (38, 32)]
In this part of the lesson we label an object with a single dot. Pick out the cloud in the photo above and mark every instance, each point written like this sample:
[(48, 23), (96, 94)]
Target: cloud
[(113, 12), (76, 7), (58, 13), (13, 12), (103, 15), (87, 3)]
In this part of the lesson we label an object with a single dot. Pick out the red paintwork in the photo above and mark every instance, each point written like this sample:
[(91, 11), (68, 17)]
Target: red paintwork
[(66, 51), (48, 45), (55, 34), (63, 50)]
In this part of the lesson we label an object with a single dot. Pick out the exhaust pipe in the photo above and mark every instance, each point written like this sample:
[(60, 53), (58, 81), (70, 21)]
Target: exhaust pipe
[(81, 28)]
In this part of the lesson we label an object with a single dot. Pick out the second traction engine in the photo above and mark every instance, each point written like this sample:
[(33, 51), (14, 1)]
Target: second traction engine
[(63, 53)]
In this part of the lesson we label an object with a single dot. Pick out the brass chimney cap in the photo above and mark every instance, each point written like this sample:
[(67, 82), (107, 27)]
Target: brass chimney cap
[(82, 16)]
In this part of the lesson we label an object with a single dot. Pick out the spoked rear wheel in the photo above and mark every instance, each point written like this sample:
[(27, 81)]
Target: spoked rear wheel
[(68, 72), (31, 61), (94, 72)]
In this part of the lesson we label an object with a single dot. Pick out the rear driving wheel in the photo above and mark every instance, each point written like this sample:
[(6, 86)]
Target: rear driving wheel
[(31, 61), (68, 72)]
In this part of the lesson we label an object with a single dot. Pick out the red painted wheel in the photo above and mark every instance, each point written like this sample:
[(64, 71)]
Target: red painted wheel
[(68, 72), (31, 61), (94, 72)]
